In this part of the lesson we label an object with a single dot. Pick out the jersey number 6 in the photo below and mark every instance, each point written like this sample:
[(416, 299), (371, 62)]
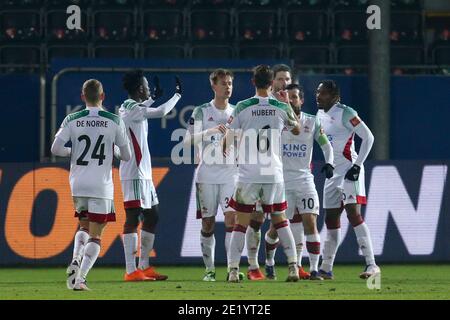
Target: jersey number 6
[(267, 141)]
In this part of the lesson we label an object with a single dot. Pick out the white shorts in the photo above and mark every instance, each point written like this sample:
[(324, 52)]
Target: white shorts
[(339, 191), (95, 209), (210, 196), (271, 195), (303, 199), (139, 193)]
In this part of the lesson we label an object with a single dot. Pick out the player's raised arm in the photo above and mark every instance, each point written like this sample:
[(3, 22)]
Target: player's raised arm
[(291, 120), (165, 108)]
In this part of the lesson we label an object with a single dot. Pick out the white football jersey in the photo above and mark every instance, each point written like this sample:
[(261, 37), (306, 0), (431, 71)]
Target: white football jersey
[(93, 133), (140, 164), (339, 125), (213, 167), (298, 149), (262, 120)]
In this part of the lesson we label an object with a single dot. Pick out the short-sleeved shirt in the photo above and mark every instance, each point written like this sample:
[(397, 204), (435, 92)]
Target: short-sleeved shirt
[(297, 149), (93, 133), (339, 125), (261, 120), (140, 164), (213, 167)]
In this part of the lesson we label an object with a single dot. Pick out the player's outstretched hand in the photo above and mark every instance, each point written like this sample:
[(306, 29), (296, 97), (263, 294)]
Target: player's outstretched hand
[(178, 85), (328, 170), (353, 173), (157, 91)]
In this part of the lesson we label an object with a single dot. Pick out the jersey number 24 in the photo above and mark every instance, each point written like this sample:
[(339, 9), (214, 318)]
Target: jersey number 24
[(96, 153)]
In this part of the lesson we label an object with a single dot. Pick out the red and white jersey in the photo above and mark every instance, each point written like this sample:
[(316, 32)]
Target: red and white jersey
[(262, 120), (140, 164), (213, 167), (298, 149), (339, 125), (93, 133)]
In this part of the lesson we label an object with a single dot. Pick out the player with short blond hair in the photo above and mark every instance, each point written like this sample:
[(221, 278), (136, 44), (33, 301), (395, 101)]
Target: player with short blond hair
[(92, 132)]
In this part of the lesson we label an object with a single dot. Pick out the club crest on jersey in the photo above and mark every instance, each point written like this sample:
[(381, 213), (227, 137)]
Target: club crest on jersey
[(230, 120), (191, 121), (210, 119), (306, 129), (355, 121)]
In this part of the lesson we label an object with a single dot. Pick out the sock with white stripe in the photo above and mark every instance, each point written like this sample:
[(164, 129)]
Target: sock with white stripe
[(147, 241), (130, 243), (313, 247), (365, 243), (253, 239), (208, 244), (81, 238), (330, 248), (287, 241), (91, 251), (236, 246), (298, 233)]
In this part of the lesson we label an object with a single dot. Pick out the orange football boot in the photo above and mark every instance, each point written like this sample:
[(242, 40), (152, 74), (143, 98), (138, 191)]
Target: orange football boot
[(151, 272), (137, 275), (255, 275), (303, 274)]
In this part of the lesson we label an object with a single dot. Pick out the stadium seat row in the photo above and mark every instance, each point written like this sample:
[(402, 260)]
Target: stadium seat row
[(206, 25), (309, 55)]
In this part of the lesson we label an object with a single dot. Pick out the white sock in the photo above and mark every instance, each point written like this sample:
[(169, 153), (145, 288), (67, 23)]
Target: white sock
[(313, 247), (271, 249), (365, 243), (147, 240), (228, 232), (330, 248), (298, 233), (130, 243), (253, 240), (91, 251), (236, 246), (287, 241), (208, 245), (81, 238)]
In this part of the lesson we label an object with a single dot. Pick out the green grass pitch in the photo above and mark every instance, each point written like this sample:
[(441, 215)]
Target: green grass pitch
[(185, 282)]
